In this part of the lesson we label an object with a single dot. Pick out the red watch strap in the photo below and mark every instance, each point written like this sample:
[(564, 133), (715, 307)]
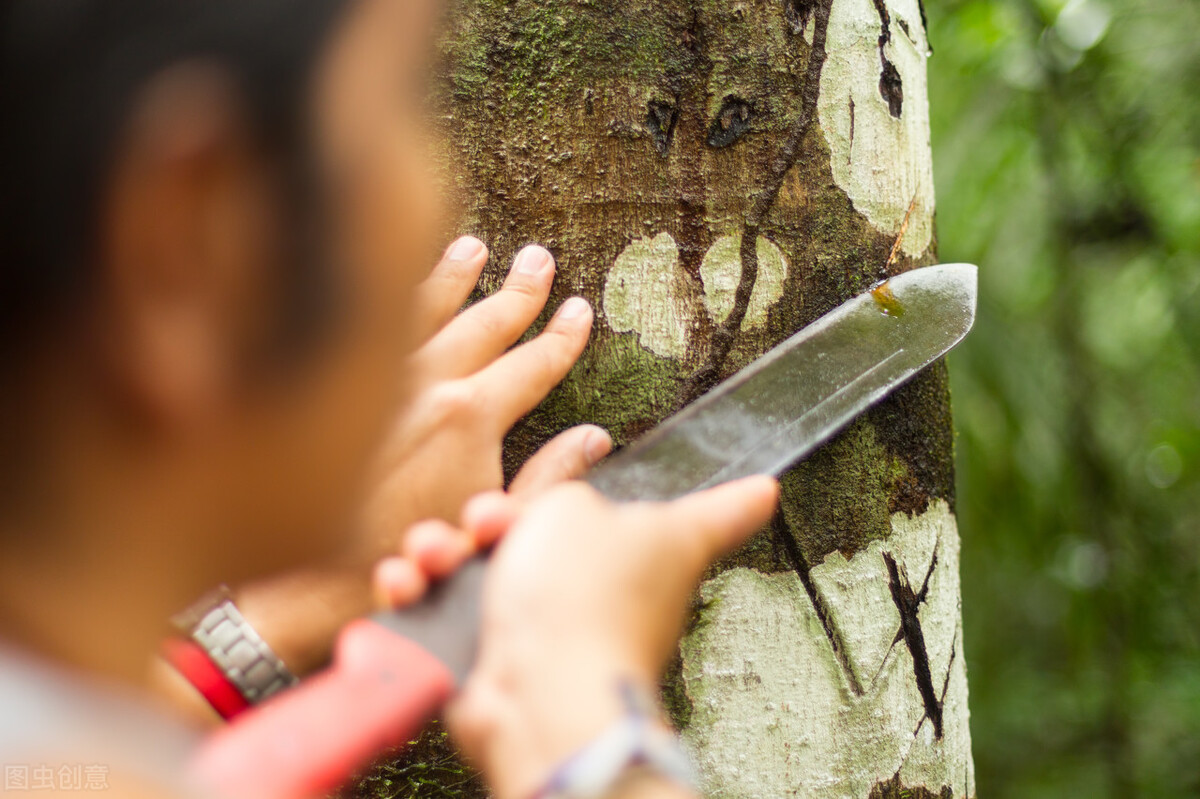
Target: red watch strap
[(191, 661)]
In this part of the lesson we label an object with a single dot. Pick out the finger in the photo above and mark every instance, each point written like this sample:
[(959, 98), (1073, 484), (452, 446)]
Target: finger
[(437, 548), (565, 457), (442, 294), (478, 711), (482, 333), (714, 522), (487, 517), (523, 377), (398, 582)]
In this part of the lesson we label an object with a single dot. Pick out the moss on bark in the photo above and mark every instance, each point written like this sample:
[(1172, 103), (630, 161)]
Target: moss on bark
[(894, 789)]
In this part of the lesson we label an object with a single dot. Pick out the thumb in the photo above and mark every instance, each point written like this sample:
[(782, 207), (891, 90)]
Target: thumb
[(717, 521), (567, 456)]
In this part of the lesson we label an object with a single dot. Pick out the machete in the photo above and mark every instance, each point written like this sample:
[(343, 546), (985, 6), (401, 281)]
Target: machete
[(393, 671)]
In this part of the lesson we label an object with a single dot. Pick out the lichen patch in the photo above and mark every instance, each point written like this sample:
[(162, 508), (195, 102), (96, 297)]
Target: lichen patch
[(648, 293), (874, 113), (721, 271), (772, 709)]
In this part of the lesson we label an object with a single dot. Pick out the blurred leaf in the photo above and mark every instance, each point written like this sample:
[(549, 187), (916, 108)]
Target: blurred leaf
[(1067, 154)]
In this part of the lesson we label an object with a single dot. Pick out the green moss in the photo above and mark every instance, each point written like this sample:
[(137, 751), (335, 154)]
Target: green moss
[(915, 426), (843, 496), (676, 700), (428, 768), (761, 553), (624, 387), (526, 53), (837, 500), (616, 384), (894, 789), (513, 51)]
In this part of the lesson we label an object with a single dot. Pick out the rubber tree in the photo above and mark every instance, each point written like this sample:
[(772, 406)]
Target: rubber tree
[(714, 175)]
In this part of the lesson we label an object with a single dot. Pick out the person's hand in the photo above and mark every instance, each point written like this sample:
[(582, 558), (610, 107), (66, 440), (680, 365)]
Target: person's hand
[(580, 595), (434, 549), (468, 386), (471, 388)]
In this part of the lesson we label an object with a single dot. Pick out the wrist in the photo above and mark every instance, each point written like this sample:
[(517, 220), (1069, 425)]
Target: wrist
[(299, 615), (648, 785), (221, 656), (524, 724)]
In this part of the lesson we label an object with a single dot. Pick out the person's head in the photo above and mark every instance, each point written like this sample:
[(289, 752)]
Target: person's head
[(212, 216)]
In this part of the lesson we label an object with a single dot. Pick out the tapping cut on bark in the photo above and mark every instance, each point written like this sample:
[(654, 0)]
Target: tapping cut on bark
[(799, 563), (891, 87), (908, 604)]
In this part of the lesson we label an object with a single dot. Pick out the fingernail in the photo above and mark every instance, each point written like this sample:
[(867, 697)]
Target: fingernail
[(532, 260), (597, 445), (765, 484), (574, 308), (398, 582), (464, 248)]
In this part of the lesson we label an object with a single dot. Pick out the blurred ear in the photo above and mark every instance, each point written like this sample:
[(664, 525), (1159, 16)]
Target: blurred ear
[(186, 233)]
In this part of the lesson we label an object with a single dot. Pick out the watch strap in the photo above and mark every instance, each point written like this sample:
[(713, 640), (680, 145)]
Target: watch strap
[(195, 666), (636, 743), (237, 650)]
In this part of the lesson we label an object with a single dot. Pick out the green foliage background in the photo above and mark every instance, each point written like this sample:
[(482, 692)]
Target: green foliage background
[(1067, 156)]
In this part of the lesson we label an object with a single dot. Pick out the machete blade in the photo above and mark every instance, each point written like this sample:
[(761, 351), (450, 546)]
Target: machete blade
[(787, 403)]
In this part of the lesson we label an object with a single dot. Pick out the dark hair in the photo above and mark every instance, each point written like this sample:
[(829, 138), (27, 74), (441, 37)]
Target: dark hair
[(69, 70)]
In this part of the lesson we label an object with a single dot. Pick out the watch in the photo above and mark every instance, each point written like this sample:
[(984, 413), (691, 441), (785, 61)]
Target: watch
[(215, 624)]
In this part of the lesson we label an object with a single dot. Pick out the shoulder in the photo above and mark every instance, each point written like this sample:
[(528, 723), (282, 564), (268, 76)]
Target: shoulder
[(63, 733)]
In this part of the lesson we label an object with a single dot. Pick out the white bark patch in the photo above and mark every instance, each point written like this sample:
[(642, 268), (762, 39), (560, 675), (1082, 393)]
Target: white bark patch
[(881, 162), (647, 292), (721, 271), (773, 713)]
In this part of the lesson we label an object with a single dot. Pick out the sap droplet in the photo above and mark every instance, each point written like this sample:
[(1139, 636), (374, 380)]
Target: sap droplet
[(886, 300)]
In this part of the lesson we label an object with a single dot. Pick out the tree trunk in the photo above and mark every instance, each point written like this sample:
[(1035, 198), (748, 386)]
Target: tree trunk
[(713, 176)]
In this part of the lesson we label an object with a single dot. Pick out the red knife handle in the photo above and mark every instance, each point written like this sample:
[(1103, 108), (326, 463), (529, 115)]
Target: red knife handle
[(379, 693)]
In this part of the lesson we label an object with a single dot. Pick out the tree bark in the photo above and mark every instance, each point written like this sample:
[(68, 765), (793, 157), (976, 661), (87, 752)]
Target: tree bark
[(713, 176)]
